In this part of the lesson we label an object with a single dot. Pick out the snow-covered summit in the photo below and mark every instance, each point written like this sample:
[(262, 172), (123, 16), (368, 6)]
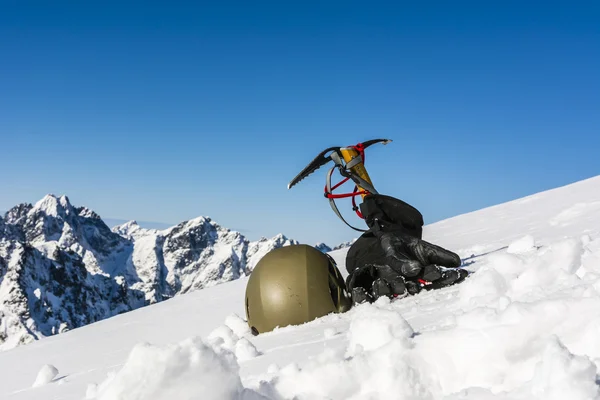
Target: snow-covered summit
[(53, 206), (16, 214), (61, 269), (127, 229), (132, 230), (87, 213)]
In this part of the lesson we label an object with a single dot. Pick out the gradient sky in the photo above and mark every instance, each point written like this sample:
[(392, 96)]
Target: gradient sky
[(167, 111)]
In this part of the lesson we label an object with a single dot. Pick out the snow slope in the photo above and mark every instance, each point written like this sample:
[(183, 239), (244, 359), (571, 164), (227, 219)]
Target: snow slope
[(526, 325)]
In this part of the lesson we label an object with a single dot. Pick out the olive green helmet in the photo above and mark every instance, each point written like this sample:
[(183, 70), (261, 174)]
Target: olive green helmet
[(292, 285)]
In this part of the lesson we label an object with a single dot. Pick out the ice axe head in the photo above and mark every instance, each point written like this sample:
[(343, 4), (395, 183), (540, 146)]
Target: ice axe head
[(350, 163)]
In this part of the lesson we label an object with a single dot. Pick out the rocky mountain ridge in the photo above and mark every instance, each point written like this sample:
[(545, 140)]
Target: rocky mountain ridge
[(62, 267)]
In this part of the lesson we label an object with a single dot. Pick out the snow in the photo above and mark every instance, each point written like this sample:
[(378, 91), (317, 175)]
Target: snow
[(46, 374), (49, 204), (525, 325), (523, 245), (187, 370), (374, 327), (258, 249), (131, 230), (329, 333), (237, 324), (245, 350)]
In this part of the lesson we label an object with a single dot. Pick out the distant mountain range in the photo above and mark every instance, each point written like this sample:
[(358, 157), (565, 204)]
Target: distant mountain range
[(62, 267), (111, 222)]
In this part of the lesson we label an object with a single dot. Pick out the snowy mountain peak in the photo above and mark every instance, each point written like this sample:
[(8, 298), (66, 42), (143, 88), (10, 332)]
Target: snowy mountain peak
[(323, 247), (87, 213), (198, 221), (18, 213), (131, 230), (257, 249), (52, 205), (133, 224), (345, 244), (280, 237)]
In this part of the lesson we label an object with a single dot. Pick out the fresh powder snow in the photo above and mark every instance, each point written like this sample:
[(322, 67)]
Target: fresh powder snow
[(46, 374), (524, 325)]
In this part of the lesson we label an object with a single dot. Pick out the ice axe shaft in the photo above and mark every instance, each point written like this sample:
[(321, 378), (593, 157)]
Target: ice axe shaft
[(355, 163)]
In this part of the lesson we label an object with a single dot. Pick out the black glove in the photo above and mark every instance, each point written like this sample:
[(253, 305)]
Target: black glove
[(391, 258), (409, 262), (413, 257)]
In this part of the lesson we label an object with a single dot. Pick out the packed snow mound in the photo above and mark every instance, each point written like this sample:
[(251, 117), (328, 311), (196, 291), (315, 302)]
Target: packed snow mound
[(188, 370), (531, 336), (46, 375)]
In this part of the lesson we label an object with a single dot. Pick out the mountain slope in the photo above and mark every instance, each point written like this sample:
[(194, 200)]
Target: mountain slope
[(524, 326), (61, 267)]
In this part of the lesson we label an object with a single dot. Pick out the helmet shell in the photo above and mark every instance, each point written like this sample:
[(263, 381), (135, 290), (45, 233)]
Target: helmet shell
[(292, 285)]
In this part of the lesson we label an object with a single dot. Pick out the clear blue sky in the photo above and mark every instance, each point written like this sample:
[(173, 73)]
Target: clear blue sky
[(168, 111)]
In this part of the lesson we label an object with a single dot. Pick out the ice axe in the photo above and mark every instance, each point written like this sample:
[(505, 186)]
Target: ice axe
[(350, 162)]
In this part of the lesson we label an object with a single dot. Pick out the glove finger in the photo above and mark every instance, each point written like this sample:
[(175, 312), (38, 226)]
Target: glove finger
[(361, 277), (388, 273), (381, 288), (392, 278), (393, 245), (405, 267), (396, 284), (398, 287), (359, 295), (428, 253), (432, 273)]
